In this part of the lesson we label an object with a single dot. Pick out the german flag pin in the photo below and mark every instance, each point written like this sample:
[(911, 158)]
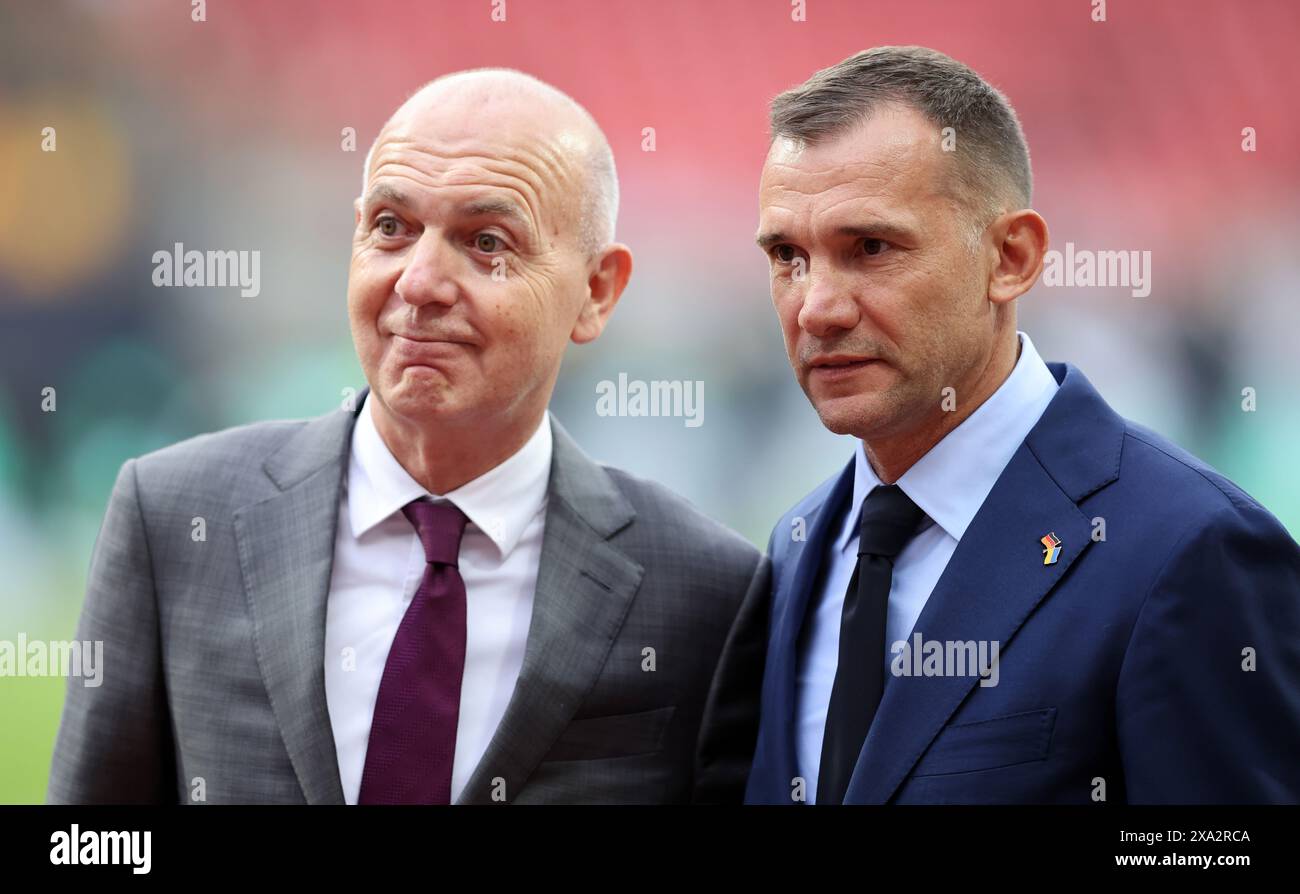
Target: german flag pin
[(1051, 548)]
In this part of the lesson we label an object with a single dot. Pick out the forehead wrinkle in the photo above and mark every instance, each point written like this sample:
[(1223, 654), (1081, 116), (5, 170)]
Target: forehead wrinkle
[(537, 174), (422, 182), (868, 181), (868, 207), (800, 179), (482, 173), (844, 213)]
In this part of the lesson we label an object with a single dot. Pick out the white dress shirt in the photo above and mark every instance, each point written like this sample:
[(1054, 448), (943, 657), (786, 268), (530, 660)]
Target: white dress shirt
[(949, 484), (378, 563)]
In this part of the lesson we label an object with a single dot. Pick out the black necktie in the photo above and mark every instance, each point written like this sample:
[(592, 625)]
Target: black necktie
[(889, 519)]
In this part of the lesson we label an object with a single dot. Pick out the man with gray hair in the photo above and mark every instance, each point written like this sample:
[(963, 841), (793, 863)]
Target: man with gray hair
[(433, 596), (1010, 593)]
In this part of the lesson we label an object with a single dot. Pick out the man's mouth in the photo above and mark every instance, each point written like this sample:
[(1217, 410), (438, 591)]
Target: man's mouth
[(835, 366), (426, 352)]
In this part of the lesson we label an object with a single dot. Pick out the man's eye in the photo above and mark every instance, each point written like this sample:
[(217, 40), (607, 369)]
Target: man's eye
[(488, 243), (874, 246), (388, 226), (785, 254)]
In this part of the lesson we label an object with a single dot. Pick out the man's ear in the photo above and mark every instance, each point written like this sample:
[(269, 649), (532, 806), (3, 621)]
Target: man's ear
[(610, 271), (1021, 240)]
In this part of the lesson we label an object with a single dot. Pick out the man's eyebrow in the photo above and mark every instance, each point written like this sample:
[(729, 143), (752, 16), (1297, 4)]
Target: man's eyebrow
[(497, 208), (385, 193), (874, 230), (881, 229)]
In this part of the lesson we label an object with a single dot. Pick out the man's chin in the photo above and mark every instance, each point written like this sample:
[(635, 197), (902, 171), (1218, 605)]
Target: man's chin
[(424, 395), (858, 415)]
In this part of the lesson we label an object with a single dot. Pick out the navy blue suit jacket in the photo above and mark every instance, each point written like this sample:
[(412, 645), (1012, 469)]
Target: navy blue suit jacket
[(1125, 661)]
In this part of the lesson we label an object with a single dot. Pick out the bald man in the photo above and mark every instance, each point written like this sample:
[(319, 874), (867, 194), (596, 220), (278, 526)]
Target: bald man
[(432, 596)]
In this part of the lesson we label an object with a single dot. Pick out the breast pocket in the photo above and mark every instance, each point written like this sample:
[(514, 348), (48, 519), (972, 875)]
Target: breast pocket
[(614, 735), (988, 744)]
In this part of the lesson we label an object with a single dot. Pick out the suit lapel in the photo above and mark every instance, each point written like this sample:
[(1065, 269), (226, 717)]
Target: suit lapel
[(993, 581), (286, 553), (996, 577), (585, 586), (785, 638)]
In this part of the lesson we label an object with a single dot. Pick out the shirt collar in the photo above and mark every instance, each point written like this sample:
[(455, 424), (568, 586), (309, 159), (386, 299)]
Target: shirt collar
[(951, 481), (500, 502)]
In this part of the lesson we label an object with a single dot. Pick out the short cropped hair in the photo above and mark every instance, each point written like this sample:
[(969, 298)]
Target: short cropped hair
[(992, 157)]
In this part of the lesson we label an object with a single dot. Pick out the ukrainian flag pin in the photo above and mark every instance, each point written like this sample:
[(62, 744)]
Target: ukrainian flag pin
[(1051, 548)]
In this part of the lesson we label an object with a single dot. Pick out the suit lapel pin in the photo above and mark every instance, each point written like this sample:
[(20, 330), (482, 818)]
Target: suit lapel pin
[(1051, 548)]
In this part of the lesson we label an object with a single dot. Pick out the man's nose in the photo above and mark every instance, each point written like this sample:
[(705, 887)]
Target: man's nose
[(430, 273), (829, 302)]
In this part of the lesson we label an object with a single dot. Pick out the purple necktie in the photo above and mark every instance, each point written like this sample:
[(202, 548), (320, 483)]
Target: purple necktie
[(413, 732)]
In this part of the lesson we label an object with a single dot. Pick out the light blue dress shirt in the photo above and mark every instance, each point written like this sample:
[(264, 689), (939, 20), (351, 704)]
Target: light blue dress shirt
[(949, 484)]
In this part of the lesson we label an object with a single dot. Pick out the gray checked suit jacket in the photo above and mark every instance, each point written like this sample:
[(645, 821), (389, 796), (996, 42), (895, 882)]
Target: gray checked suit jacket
[(213, 663)]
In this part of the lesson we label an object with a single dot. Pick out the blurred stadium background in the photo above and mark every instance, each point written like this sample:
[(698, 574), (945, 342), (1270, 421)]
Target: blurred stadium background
[(226, 134)]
